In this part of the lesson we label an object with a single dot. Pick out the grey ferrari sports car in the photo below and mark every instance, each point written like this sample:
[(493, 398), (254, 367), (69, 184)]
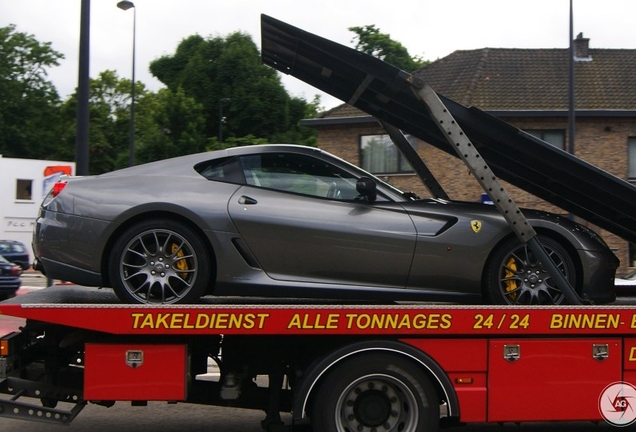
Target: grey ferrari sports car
[(294, 221)]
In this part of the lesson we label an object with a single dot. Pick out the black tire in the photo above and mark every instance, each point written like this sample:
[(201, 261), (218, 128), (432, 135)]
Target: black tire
[(376, 392), (515, 277), (159, 261)]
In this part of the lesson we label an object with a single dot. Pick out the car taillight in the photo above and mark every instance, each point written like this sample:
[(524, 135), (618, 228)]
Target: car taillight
[(58, 187), (16, 271)]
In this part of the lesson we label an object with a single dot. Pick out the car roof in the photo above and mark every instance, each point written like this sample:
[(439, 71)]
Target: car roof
[(268, 148), (183, 165)]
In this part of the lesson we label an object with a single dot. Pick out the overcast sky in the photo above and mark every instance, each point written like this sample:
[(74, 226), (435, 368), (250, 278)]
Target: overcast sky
[(428, 28)]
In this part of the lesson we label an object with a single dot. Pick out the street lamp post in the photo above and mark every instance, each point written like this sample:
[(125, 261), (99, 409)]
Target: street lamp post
[(221, 102), (83, 90), (125, 5)]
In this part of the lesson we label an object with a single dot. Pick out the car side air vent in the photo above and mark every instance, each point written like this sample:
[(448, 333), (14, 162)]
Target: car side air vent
[(247, 255)]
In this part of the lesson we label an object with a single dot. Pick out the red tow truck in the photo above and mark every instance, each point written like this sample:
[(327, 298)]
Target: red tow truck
[(364, 366)]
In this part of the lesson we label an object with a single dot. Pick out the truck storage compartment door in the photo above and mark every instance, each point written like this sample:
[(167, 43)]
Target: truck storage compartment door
[(135, 372), (550, 379)]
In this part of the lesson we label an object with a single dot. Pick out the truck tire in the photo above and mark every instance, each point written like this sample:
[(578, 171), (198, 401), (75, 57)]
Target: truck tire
[(376, 392), (159, 261)]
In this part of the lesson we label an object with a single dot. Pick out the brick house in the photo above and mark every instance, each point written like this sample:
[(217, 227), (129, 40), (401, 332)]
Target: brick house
[(527, 88)]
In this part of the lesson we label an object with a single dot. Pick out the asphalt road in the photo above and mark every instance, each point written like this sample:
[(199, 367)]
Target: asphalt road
[(161, 417)]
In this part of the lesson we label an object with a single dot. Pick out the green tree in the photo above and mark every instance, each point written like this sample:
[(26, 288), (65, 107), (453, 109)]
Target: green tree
[(370, 41), (29, 102), (109, 105), (167, 124), (215, 69), (297, 134), (172, 124)]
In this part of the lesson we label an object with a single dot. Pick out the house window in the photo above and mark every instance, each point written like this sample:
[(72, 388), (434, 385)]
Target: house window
[(631, 172), (23, 189), (378, 155), (556, 137)]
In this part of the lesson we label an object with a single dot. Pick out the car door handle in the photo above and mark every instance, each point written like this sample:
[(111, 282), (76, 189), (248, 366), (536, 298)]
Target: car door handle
[(247, 200)]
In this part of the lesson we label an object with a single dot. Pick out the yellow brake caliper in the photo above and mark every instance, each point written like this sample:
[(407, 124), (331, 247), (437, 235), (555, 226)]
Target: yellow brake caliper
[(181, 264), (510, 285)]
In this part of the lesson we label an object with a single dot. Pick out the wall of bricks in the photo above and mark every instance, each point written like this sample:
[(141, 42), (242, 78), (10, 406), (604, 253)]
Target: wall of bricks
[(599, 141)]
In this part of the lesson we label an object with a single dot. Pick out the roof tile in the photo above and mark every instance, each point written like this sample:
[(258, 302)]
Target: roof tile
[(535, 79)]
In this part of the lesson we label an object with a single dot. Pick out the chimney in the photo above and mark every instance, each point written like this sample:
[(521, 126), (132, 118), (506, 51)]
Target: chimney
[(582, 48)]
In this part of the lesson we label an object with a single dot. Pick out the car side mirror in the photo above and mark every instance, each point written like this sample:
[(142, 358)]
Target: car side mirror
[(367, 188)]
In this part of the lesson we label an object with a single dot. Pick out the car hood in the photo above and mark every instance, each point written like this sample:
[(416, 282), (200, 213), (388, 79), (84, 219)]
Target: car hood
[(486, 213)]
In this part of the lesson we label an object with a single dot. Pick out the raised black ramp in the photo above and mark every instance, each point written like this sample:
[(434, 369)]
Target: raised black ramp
[(388, 94)]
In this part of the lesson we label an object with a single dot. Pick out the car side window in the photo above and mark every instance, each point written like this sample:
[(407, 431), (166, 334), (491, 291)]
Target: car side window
[(301, 174), (17, 248), (225, 169)]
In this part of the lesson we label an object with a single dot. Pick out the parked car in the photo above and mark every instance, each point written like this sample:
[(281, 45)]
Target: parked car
[(16, 252), (628, 279), (293, 221), (9, 278), (626, 285)]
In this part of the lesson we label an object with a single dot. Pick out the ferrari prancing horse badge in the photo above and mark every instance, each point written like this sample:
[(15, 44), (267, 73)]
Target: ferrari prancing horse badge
[(475, 225)]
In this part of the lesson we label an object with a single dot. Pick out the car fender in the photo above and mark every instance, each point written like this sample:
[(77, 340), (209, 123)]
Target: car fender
[(578, 236)]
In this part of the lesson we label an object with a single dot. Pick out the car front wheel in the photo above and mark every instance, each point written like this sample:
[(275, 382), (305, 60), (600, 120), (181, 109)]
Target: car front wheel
[(516, 277), (159, 261)]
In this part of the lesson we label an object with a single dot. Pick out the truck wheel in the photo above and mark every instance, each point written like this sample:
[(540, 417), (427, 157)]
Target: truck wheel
[(514, 276), (159, 261), (376, 392)]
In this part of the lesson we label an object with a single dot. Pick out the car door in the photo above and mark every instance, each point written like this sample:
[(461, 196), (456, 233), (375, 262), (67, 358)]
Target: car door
[(300, 218)]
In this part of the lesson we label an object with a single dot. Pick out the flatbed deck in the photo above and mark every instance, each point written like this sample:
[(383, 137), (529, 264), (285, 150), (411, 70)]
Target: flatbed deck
[(99, 310)]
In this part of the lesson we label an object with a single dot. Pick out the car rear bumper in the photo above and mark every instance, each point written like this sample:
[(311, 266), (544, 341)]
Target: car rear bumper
[(9, 285), (65, 272), (67, 248)]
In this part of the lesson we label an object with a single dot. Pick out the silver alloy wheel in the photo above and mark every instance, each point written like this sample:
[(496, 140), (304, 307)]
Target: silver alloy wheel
[(158, 266), (523, 280), (377, 402)]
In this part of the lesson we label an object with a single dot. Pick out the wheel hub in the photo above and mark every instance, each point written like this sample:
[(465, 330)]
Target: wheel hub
[(377, 404), (533, 278), (158, 267), (524, 281), (372, 408)]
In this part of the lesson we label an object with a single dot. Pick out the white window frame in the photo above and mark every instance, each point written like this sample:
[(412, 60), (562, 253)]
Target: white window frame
[(386, 159)]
